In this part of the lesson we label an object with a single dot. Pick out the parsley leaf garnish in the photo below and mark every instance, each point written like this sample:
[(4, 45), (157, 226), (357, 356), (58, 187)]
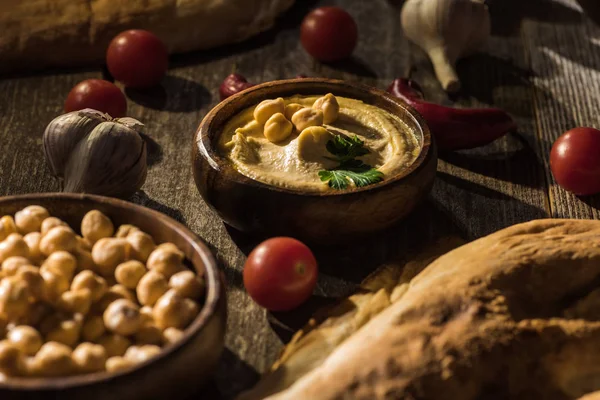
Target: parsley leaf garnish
[(350, 169)]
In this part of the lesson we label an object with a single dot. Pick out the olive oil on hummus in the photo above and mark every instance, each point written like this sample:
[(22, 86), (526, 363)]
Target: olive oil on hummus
[(294, 163)]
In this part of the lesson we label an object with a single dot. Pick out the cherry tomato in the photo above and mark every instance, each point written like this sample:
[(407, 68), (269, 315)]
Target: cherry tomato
[(575, 161), (280, 273), (137, 58), (329, 34), (97, 94)]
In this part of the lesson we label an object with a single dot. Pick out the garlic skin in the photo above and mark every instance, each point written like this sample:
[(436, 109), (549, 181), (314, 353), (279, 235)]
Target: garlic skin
[(94, 153), (447, 30)]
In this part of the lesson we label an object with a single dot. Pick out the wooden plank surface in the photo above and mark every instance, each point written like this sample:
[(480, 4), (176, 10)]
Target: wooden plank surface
[(544, 74)]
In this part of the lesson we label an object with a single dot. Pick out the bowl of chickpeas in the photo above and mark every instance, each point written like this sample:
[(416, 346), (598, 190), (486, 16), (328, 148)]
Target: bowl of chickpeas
[(103, 298)]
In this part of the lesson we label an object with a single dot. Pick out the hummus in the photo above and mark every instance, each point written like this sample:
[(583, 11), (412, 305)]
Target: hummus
[(295, 164)]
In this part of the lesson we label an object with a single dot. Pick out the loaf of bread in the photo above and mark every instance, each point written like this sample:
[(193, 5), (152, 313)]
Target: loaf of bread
[(42, 33), (513, 315)]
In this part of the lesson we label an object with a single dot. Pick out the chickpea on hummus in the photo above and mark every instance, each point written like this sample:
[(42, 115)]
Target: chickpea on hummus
[(284, 141)]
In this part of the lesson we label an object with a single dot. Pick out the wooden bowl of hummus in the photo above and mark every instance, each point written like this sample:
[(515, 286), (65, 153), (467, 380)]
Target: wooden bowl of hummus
[(318, 159)]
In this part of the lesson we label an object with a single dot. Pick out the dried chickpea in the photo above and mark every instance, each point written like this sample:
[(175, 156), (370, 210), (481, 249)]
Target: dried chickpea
[(125, 230), (76, 301), (115, 345), (14, 297), (166, 259), (93, 328), (54, 285), (95, 226), (89, 280), (115, 292), (60, 263), (84, 244), (139, 354), (107, 253), (49, 223), (7, 226), (89, 357), (84, 260), (146, 314), (11, 359), (173, 310), (142, 245), (11, 265), (123, 317), (67, 332), (26, 338), (12, 246), (265, 109), (187, 284), (53, 359), (151, 287), (129, 273), (57, 239), (33, 242), (172, 335), (30, 219), (149, 333), (117, 363), (33, 277)]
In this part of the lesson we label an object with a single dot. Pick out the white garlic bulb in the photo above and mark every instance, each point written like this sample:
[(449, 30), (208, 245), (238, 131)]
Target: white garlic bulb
[(447, 30), (94, 153)]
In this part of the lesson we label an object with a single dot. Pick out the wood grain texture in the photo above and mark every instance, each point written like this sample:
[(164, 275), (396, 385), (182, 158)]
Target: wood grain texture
[(476, 191)]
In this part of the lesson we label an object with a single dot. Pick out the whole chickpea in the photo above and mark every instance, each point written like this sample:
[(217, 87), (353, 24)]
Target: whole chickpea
[(84, 244), (151, 287), (123, 317), (11, 265), (7, 226), (149, 333), (11, 359), (142, 245), (67, 332), (93, 328), (125, 230), (14, 297), (187, 284), (76, 301), (173, 310), (32, 276), (30, 219), (84, 260), (60, 263), (89, 280), (139, 354), (115, 292), (89, 357), (49, 223), (117, 363), (57, 239), (115, 345), (95, 226), (33, 242), (12, 246), (53, 359), (26, 338), (166, 259), (107, 253), (54, 285), (129, 273), (172, 335)]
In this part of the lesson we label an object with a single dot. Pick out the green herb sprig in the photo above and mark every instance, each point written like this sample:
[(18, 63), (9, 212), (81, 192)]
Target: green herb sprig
[(345, 151)]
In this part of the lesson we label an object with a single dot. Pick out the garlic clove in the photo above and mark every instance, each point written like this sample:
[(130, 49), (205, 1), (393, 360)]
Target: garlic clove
[(63, 134), (110, 161)]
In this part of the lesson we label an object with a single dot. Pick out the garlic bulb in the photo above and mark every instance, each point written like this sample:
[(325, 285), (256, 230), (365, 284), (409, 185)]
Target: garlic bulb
[(447, 30), (94, 153)]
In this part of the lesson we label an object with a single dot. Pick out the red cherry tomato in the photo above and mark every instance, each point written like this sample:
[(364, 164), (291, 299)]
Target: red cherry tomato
[(280, 273), (137, 58), (575, 161), (97, 94), (329, 34)]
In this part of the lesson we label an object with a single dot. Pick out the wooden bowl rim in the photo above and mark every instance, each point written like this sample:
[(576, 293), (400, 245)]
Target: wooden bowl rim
[(214, 292), (204, 144)]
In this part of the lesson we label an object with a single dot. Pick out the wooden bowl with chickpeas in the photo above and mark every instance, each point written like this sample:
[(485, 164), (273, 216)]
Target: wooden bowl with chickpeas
[(101, 298)]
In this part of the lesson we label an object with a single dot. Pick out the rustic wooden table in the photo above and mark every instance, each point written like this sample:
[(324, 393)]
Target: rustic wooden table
[(542, 65)]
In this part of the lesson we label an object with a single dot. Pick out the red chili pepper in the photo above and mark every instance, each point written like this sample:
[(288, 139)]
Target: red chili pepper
[(233, 84), (455, 128)]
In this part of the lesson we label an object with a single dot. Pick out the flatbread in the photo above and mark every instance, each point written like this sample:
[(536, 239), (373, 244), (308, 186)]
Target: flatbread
[(54, 33)]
